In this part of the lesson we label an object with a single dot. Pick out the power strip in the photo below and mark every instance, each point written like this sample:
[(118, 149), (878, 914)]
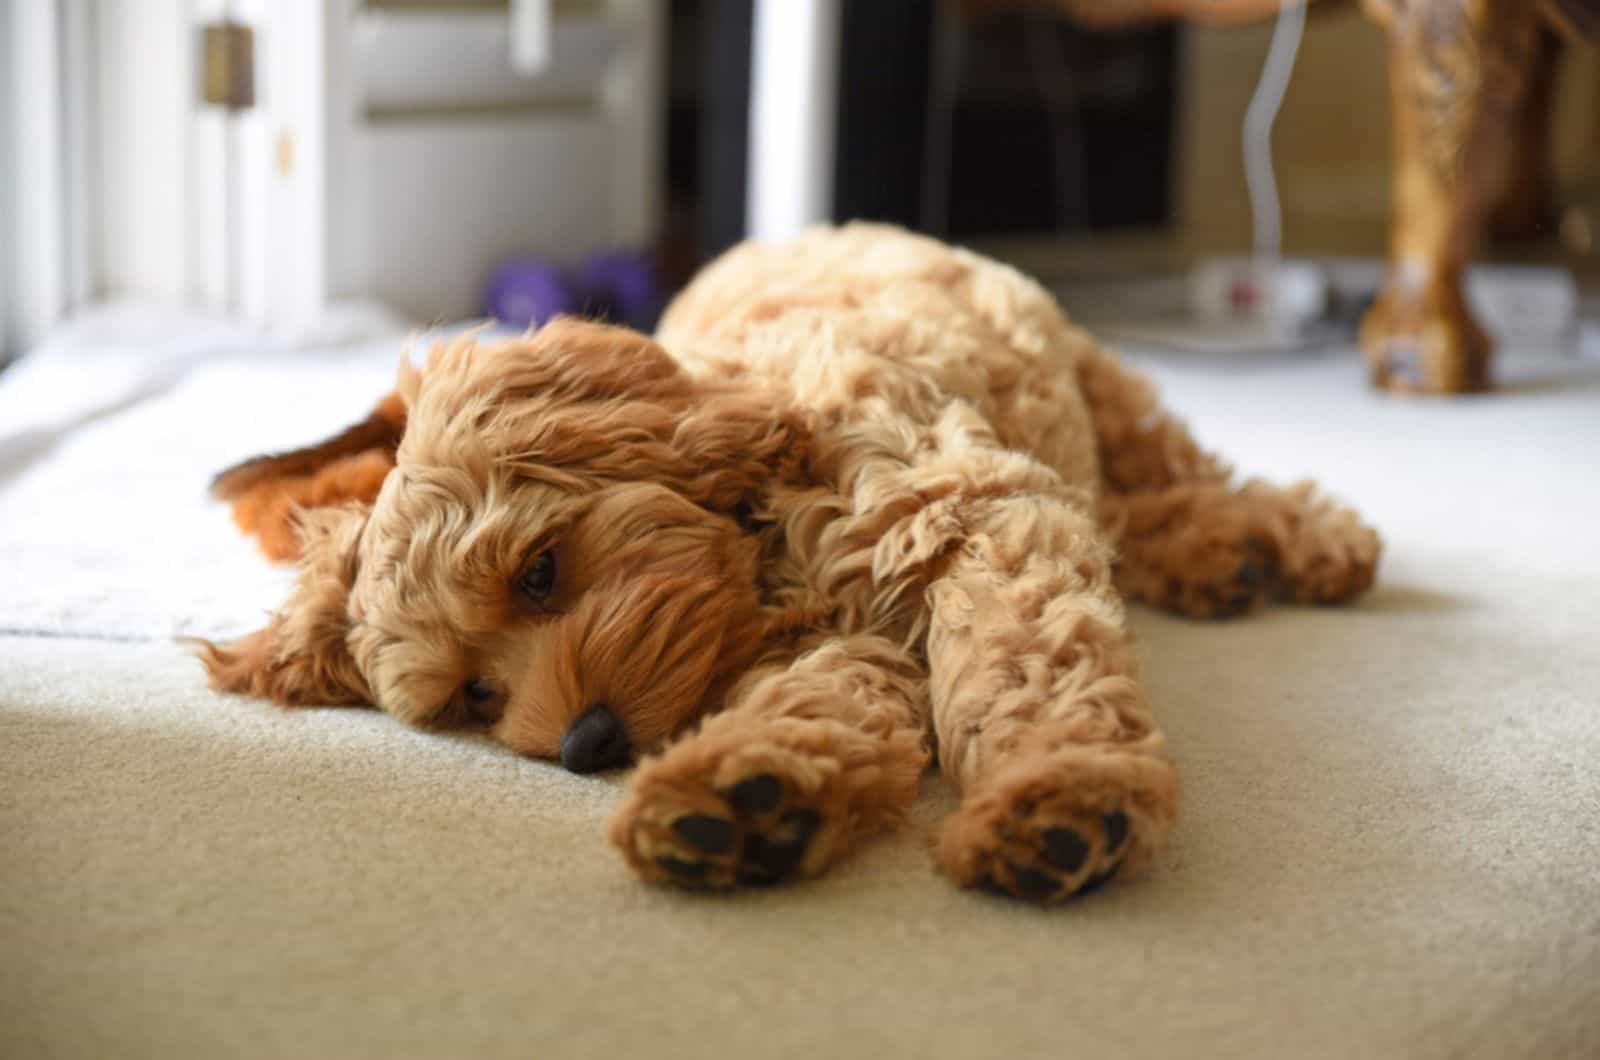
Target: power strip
[(1288, 296), (1515, 303)]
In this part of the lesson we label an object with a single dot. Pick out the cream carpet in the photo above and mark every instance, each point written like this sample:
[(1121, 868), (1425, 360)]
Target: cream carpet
[(1390, 843)]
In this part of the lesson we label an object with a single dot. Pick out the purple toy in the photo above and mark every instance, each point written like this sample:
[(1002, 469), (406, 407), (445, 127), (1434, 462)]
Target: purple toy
[(620, 286), (524, 292)]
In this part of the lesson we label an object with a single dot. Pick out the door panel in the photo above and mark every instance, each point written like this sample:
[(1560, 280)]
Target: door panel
[(395, 152), (458, 196)]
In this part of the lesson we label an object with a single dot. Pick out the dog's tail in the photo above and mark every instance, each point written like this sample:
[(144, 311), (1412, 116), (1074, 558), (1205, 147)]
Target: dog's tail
[(267, 491)]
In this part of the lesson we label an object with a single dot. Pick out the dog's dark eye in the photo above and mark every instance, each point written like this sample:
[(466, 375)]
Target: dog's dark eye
[(476, 702), (538, 579)]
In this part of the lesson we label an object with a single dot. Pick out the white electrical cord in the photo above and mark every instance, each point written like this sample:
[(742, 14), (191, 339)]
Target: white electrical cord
[(1265, 210)]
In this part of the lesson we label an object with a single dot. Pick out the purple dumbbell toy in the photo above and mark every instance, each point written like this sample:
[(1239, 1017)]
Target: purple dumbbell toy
[(620, 286), (525, 292)]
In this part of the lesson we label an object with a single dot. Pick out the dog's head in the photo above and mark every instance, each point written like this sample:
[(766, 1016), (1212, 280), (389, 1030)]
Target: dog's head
[(554, 554)]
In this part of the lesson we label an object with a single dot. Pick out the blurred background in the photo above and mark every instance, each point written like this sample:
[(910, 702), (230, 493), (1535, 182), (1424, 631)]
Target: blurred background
[(450, 159)]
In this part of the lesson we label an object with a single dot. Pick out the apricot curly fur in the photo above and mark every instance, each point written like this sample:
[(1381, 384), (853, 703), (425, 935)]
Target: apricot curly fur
[(269, 508), (866, 501)]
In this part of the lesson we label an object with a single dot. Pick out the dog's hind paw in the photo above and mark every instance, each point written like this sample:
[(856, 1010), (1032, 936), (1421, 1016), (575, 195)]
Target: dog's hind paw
[(1078, 858)]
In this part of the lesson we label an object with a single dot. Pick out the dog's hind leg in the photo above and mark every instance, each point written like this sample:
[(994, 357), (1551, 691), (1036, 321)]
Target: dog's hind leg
[(809, 757), (1192, 542), (1212, 551)]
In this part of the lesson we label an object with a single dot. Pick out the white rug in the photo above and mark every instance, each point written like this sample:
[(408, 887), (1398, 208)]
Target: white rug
[(109, 437), (1390, 842)]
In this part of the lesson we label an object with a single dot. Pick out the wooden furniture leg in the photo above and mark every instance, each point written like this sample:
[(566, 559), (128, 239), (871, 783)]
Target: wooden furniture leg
[(1458, 74), (1527, 211)]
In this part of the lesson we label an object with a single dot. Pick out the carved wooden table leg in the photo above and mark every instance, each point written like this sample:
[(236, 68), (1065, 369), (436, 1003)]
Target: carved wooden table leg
[(1527, 211), (1458, 73)]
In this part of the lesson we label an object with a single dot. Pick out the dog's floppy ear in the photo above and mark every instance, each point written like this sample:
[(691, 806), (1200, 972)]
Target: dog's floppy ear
[(610, 403), (301, 658), (267, 491)]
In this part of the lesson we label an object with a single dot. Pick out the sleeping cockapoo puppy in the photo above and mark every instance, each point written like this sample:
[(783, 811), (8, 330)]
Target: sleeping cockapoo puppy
[(866, 501)]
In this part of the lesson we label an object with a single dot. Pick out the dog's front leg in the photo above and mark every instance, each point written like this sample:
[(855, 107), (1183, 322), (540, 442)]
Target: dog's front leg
[(1040, 714), (809, 756)]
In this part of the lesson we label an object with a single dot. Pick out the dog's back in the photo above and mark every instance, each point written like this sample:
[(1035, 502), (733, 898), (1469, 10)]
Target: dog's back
[(871, 323)]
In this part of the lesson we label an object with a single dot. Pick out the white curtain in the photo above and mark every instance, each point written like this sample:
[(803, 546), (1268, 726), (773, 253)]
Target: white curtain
[(44, 165)]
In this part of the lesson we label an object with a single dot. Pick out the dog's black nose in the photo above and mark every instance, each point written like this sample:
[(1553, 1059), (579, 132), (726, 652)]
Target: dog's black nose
[(595, 741)]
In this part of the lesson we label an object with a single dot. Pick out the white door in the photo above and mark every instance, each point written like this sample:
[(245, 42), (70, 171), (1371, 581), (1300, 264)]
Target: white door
[(226, 146), (400, 150)]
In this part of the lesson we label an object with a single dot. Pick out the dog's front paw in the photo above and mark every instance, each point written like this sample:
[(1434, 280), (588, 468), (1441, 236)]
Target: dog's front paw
[(754, 808), (1060, 825)]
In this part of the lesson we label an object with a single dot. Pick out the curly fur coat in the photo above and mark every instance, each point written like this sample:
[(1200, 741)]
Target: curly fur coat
[(866, 502)]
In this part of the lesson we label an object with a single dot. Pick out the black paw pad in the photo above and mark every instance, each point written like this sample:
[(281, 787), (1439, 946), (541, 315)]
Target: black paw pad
[(989, 885), (691, 871), (710, 834), (775, 857), (1065, 849), (1116, 826), (1252, 573), (1031, 883), (757, 794)]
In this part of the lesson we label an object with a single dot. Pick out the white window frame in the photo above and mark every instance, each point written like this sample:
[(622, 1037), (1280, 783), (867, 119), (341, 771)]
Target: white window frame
[(45, 120)]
